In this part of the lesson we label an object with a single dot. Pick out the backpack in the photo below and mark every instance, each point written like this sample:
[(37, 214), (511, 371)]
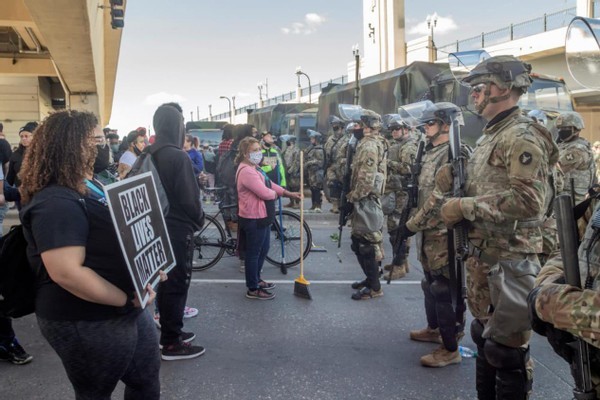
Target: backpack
[(17, 280), (145, 163), (226, 169)]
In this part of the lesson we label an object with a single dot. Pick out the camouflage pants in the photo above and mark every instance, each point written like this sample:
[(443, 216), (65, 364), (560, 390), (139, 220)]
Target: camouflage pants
[(481, 290)]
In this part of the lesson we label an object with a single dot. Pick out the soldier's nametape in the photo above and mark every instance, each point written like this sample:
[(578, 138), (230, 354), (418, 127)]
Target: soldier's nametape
[(140, 226)]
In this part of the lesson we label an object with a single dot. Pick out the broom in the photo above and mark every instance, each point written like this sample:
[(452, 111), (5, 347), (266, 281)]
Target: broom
[(301, 284)]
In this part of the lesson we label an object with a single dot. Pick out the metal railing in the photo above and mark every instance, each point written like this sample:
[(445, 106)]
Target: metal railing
[(282, 98), (547, 22)]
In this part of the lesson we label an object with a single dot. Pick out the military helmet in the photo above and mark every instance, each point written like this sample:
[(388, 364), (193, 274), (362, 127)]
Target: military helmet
[(370, 118), (443, 111), (504, 71), (287, 138), (314, 134), (334, 120), (539, 116), (570, 120), (393, 122)]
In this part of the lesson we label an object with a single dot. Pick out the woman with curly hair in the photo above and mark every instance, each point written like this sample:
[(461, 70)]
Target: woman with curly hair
[(85, 303)]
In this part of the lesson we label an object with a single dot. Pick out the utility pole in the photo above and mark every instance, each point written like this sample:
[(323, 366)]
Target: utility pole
[(356, 52)]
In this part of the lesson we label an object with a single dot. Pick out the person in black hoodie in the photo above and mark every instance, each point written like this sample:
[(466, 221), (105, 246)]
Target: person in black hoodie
[(16, 159), (184, 217)]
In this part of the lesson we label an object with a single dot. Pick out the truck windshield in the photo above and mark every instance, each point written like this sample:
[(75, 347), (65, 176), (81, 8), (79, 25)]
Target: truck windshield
[(548, 95), (212, 137)]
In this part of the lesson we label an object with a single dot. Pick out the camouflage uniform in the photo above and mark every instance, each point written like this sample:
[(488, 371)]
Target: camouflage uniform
[(339, 166), (577, 163), (333, 184), (368, 171), (314, 164), (571, 309), (291, 160)]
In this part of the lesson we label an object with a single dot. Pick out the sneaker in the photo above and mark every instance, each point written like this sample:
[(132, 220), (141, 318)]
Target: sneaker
[(441, 357), (190, 312), (359, 285), (260, 294), (15, 353), (399, 272), (157, 320), (317, 210), (181, 351), (426, 335), (366, 293), (266, 285), (186, 337)]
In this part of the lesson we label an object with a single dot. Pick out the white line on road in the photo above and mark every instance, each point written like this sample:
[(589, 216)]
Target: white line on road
[(323, 282)]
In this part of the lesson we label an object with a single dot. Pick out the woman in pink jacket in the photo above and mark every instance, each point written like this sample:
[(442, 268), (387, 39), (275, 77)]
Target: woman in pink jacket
[(256, 209)]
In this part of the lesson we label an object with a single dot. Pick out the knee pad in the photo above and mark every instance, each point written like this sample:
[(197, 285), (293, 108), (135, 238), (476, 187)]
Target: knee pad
[(504, 357), (440, 289), (476, 332)]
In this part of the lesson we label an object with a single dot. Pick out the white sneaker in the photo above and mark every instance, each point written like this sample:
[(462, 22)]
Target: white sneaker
[(189, 312)]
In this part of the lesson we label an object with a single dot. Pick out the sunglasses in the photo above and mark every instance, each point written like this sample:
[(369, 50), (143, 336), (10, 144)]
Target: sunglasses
[(431, 122), (477, 88)]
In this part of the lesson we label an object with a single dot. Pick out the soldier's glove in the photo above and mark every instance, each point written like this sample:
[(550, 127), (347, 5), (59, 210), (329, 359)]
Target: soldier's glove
[(451, 212), (558, 339), (444, 179)]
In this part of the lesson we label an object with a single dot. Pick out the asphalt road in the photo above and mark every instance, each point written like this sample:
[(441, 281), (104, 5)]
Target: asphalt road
[(330, 347)]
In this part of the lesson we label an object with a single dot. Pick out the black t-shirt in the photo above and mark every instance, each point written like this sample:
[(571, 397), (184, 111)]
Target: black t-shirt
[(59, 217), (5, 151)]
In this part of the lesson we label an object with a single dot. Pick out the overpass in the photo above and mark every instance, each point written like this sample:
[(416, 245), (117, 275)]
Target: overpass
[(56, 54)]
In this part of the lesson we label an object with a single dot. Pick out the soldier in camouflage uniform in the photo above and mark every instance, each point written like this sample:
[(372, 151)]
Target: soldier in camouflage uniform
[(576, 156), (339, 166), (315, 167), (435, 182), (401, 155), (566, 310), (291, 160), (367, 180), (505, 198), (334, 142)]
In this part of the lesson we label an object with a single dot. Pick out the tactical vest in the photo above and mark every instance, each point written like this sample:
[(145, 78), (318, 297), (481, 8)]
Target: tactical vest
[(483, 179), (433, 160)]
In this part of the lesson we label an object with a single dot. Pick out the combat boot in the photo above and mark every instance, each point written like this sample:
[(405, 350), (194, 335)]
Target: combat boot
[(387, 267), (335, 207), (441, 357), (426, 335), (399, 272), (366, 294)]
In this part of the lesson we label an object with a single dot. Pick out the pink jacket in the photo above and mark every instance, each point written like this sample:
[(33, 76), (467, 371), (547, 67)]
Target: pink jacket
[(252, 192)]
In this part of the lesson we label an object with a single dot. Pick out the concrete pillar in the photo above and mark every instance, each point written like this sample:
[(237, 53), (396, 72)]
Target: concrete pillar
[(85, 102), (585, 8)]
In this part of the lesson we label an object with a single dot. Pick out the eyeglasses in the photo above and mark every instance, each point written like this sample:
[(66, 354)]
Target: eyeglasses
[(431, 122), (477, 88)]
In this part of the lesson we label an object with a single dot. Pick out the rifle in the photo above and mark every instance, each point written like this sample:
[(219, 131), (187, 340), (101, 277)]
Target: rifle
[(344, 212), (458, 235), (412, 190), (567, 236)]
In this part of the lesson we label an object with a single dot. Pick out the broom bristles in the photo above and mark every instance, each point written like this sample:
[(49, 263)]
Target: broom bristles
[(301, 289)]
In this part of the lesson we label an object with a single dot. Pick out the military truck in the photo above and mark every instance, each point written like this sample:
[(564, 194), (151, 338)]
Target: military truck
[(209, 132), (286, 119), (385, 92)]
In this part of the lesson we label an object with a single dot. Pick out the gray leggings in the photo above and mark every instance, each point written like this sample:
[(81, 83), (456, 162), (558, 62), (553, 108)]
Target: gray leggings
[(97, 354)]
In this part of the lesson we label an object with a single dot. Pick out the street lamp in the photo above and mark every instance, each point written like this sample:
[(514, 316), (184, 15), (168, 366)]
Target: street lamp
[(356, 52), (260, 86), (431, 24), (298, 73), (228, 101)]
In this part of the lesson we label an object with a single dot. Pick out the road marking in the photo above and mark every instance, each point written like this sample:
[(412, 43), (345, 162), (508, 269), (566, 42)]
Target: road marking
[(281, 281)]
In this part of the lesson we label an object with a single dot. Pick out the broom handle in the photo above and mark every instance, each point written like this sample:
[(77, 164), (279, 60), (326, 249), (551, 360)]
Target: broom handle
[(301, 213)]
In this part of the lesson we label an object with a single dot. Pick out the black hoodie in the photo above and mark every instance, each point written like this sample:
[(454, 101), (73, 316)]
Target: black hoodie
[(176, 172)]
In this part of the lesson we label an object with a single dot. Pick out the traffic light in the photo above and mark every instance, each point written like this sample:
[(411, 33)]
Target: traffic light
[(117, 14)]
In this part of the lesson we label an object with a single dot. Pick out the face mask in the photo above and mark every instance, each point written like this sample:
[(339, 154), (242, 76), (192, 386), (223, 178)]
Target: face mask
[(114, 148), (255, 157), (267, 144), (358, 133), (136, 151), (564, 134)]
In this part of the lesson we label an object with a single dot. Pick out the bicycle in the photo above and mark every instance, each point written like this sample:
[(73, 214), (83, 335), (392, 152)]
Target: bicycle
[(214, 240)]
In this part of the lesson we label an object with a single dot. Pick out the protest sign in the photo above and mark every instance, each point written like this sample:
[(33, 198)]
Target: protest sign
[(141, 229)]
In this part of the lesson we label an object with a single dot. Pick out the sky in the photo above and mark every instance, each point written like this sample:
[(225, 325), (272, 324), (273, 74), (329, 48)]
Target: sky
[(194, 51)]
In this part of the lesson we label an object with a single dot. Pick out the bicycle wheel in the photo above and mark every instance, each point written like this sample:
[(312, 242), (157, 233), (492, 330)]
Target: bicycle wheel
[(291, 240), (208, 244)]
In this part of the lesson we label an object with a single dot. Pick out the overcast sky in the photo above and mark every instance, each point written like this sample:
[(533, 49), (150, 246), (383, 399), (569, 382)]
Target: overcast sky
[(194, 51)]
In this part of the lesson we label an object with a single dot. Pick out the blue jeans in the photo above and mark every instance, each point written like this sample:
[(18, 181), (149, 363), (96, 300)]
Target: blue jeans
[(97, 354), (257, 247)]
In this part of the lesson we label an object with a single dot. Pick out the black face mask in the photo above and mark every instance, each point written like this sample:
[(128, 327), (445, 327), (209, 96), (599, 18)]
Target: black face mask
[(564, 134), (358, 133), (136, 151), (267, 144)]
